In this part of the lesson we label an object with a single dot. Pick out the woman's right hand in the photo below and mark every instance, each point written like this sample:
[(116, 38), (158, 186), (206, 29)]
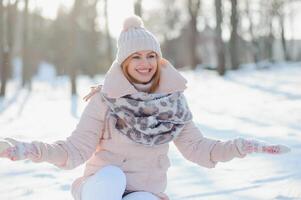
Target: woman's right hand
[(17, 150), (247, 146)]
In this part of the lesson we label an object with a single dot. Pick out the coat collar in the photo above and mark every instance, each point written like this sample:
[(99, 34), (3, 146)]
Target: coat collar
[(116, 84)]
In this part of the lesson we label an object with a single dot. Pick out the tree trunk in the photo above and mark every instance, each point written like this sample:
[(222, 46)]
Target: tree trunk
[(234, 36), (283, 40), (12, 23), (2, 63), (73, 45), (193, 9), (254, 43), (108, 36), (219, 40), (7, 30), (270, 42), (138, 8), (4, 72), (26, 68)]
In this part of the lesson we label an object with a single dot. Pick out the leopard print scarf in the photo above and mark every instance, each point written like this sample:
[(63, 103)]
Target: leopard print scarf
[(149, 119)]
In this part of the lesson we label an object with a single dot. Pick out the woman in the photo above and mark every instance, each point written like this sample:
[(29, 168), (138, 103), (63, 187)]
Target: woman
[(125, 130)]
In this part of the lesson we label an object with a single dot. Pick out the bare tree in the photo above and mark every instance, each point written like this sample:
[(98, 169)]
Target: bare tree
[(90, 37), (7, 40), (26, 68), (283, 39), (219, 40), (73, 45), (2, 46), (138, 7), (279, 10), (171, 18), (107, 32), (193, 10), (254, 43), (234, 53), (274, 12)]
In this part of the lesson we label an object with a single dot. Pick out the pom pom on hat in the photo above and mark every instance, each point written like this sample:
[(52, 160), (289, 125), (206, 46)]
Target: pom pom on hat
[(132, 22)]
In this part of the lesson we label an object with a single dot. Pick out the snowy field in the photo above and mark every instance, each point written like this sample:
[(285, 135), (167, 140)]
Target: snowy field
[(264, 104)]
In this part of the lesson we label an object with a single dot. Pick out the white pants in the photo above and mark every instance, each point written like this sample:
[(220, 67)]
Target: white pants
[(109, 184)]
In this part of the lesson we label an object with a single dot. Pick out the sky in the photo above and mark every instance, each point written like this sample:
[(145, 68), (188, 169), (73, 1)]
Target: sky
[(118, 10)]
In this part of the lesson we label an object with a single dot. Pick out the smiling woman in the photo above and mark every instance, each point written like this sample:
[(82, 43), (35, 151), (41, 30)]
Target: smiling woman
[(124, 133)]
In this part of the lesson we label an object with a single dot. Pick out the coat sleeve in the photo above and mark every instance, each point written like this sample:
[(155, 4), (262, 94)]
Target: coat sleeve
[(81, 144), (204, 151)]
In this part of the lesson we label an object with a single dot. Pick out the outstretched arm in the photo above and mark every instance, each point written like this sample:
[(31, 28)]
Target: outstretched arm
[(207, 152), (66, 154), (195, 147)]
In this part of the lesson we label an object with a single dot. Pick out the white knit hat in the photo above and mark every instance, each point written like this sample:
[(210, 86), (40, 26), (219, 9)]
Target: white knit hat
[(134, 37)]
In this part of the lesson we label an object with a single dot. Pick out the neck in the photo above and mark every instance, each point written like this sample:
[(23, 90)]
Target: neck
[(143, 87)]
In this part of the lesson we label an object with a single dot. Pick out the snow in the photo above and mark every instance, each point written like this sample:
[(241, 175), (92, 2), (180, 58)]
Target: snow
[(263, 104)]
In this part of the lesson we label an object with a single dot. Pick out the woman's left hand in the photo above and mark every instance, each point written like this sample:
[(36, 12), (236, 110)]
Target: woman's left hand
[(17, 150), (247, 146)]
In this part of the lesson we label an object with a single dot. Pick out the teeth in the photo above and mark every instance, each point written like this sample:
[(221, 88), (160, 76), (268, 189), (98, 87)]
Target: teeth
[(143, 70)]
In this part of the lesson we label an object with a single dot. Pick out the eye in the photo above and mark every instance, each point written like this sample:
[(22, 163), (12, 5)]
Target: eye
[(152, 56), (135, 57)]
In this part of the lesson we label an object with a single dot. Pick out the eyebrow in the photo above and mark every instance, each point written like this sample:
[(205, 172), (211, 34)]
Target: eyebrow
[(147, 53)]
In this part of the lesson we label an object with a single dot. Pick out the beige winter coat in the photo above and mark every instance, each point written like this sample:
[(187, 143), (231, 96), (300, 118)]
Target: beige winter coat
[(96, 141)]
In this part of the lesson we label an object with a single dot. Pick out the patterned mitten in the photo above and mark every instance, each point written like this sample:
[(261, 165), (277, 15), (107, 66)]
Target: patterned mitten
[(16, 150), (247, 146)]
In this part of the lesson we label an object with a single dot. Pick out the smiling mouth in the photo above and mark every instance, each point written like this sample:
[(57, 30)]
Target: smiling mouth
[(144, 71)]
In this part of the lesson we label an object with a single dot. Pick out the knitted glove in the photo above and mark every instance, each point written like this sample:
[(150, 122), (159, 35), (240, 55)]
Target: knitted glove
[(247, 146), (17, 150)]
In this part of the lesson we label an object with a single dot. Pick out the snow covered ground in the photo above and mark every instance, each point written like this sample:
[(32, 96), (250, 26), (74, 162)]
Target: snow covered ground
[(264, 104)]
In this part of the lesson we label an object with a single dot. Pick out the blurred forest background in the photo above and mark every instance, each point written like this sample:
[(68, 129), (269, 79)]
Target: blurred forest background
[(215, 34)]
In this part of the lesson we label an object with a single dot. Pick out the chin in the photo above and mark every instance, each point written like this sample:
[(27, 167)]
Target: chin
[(144, 80)]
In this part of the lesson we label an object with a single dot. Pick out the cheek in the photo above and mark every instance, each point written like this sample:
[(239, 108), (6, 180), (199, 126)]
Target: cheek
[(153, 61), (131, 69), (155, 66)]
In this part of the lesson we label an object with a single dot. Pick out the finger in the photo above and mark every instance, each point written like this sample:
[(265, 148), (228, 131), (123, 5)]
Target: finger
[(284, 149)]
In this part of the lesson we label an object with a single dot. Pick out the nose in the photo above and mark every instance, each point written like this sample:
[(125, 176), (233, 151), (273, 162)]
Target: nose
[(144, 61)]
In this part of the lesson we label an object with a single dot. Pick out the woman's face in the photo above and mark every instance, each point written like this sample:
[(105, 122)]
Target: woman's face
[(142, 66)]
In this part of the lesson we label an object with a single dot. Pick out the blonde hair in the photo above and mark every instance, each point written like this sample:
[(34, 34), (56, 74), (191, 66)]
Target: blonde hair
[(155, 78)]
